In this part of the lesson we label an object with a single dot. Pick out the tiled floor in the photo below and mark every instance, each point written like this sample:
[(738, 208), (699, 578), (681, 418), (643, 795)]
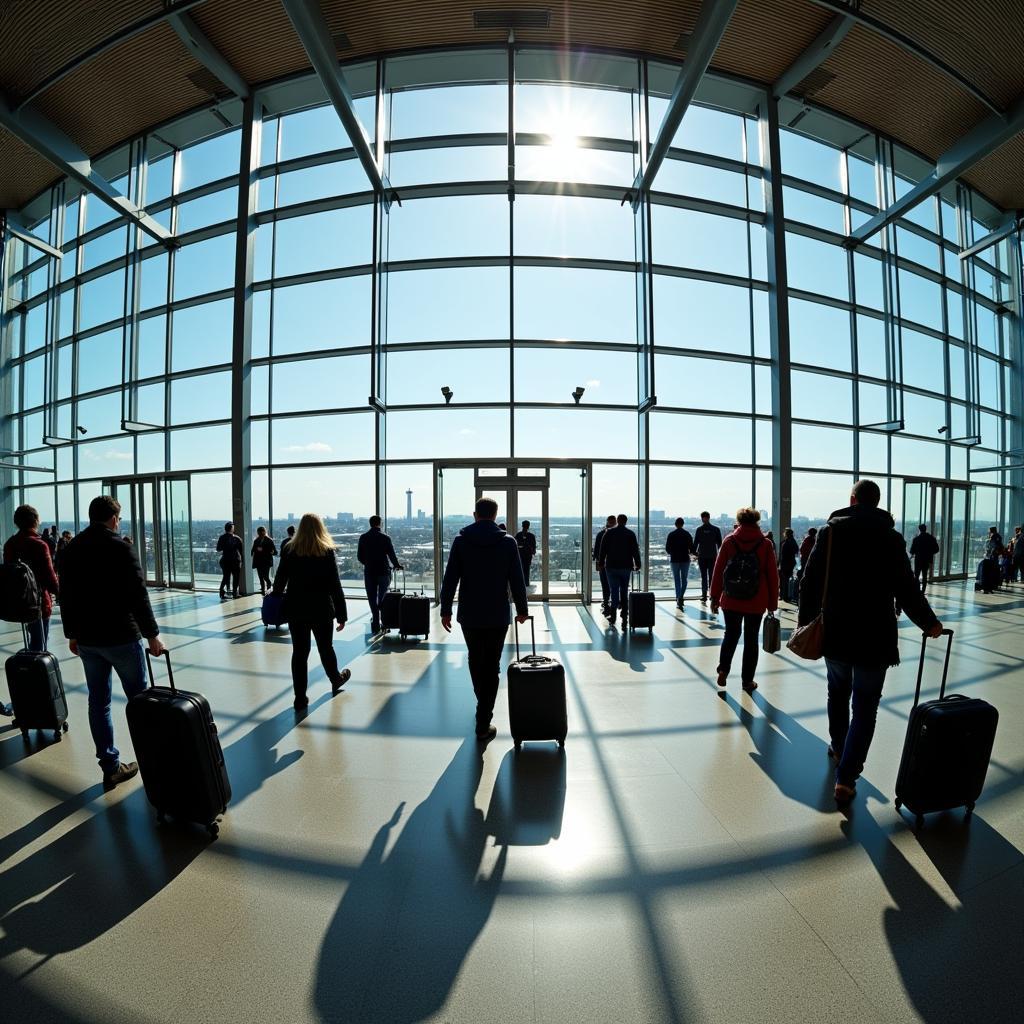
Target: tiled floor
[(683, 861)]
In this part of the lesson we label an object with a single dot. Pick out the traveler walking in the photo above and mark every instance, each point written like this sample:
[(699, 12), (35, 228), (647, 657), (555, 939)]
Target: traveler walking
[(29, 547), (1017, 557), (527, 544), (230, 547), (50, 536), (263, 551), (620, 557), (315, 600), (105, 611), (744, 584), (787, 561), (858, 571), (707, 539), (377, 556), (601, 571), (923, 548), (994, 544), (284, 544), (806, 547), (62, 544), (484, 565), (679, 546)]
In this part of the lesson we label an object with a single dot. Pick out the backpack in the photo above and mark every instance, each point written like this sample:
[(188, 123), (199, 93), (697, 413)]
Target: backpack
[(742, 576), (20, 600)]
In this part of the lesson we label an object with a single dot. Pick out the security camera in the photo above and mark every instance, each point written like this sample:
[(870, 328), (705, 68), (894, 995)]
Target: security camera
[(447, 392), (578, 394), (82, 430)]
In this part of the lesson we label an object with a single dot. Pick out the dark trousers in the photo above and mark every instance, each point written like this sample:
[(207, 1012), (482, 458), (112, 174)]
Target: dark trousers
[(231, 575), (750, 625), (376, 585), (707, 567), (263, 571), (923, 570), (785, 575), (605, 586), (484, 645), (525, 561), (851, 738), (323, 633)]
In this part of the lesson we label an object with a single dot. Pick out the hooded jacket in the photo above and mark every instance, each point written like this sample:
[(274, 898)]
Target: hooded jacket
[(870, 573), (746, 538), (483, 565)]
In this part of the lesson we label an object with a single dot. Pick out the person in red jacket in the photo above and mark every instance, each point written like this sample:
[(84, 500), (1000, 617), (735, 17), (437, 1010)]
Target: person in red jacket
[(745, 584), (28, 547)]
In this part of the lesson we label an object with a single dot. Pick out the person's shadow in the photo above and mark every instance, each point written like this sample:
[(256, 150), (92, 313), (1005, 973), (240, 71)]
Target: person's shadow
[(410, 915)]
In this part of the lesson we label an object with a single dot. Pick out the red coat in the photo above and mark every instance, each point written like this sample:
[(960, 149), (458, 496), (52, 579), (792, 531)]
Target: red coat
[(767, 596), (806, 547), (28, 547)]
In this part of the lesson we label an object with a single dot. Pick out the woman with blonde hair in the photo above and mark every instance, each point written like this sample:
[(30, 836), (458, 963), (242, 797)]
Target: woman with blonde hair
[(745, 584), (314, 600)]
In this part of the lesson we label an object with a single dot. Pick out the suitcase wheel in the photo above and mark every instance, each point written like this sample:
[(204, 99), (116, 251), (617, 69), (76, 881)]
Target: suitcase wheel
[(64, 727), (214, 829), (57, 736)]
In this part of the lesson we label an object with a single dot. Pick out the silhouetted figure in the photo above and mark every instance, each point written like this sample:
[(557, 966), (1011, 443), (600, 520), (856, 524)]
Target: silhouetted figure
[(315, 600), (601, 571), (284, 544), (230, 547), (377, 556), (29, 547), (923, 549), (707, 539), (527, 544), (619, 556), (787, 559), (680, 549), (483, 564), (263, 551)]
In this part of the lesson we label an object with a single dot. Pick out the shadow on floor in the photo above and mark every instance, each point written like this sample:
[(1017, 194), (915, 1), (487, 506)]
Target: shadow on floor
[(411, 914), (528, 799)]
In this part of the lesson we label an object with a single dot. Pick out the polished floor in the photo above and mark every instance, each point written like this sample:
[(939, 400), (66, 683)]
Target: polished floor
[(682, 861)]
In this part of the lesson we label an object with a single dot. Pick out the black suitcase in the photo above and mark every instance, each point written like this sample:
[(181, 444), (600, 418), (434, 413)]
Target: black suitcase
[(947, 749), (37, 691), (771, 636), (179, 752), (987, 579), (274, 612), (414, 616), (641, 608), (389, 607), (536, 696)]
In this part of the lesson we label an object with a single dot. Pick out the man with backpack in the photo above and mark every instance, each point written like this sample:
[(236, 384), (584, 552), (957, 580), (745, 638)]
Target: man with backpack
[(923, 548), (745, 584), (707, 539), (31, 587)]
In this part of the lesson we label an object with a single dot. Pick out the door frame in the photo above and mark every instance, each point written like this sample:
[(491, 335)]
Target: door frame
[(941, 491), (511, 483)]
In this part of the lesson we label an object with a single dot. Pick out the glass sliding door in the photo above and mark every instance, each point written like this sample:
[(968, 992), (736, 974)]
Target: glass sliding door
[(944, 508), (176, 532)]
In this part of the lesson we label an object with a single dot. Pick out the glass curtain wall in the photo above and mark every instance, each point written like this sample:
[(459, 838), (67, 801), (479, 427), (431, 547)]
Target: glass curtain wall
[(510, 275)]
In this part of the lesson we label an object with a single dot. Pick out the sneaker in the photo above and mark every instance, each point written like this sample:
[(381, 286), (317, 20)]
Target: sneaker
[(375, 627), (749, 687), (844, 794), (611, 617), (487, 735), (122, 773), (703, 598), (679, 604), (300, 703), (722, 678), (343, 677)]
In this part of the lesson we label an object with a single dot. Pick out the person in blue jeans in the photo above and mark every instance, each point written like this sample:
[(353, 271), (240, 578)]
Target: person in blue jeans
[(105, 611), (377, 556), (619, 556), (679, 547), (859, 572)]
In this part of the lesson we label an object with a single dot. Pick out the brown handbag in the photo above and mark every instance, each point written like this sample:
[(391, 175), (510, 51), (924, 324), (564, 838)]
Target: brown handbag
[(809, 641)]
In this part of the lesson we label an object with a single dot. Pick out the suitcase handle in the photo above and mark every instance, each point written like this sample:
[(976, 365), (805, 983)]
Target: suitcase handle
[(533, 635), (948, 633), (170, 674)]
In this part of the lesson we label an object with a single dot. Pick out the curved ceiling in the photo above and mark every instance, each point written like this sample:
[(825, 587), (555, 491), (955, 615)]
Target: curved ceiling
[(148, 76)]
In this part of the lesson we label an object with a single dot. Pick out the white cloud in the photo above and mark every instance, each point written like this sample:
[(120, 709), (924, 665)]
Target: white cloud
[(467, 432), (107, 456), (593, 384), (313, 446)]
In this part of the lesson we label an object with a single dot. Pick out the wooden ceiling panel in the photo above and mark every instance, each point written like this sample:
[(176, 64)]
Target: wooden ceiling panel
[(1000, 176), (23, 173)]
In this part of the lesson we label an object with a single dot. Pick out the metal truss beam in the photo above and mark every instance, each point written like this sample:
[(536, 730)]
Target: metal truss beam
[(311, 28), (1006, 228), (816, 53), (707, 34), (17, 230), (981, 140), (50, 142), (199, 45)]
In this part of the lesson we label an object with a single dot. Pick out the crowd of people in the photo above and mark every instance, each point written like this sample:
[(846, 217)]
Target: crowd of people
[(858, 565)]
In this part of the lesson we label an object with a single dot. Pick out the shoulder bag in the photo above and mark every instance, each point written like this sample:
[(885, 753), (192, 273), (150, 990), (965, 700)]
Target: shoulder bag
[(809, 641)]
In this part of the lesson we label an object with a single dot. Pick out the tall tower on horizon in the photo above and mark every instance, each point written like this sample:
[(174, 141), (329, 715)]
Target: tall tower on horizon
[(408, 506)]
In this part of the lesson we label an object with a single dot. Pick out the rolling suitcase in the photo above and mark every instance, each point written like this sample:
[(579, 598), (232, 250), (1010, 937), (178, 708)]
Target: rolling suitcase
[(414, 616), (641, 608), (179, 752), (947, 749), (37, 691), (536, 696), (273, 611), (389, 607), (987, 579), (771, 637)]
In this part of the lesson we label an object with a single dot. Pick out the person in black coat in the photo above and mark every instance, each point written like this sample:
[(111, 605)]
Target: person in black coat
[(679, 546), (788, 554), (263, 551), (377, 556), (707, 539), (602, 572), (230, 547), (484, 565), (527, 544), (619, 556), (868, 575), (923, 549), (315, 599)]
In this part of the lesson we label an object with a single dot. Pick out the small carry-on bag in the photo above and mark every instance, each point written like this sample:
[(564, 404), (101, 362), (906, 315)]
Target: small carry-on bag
[(274, 612), (771, 637), (37, 691), (414, 616), (641, 608), (389, 606), (536, 695), (947, 750), (987, 580), (179, 752)]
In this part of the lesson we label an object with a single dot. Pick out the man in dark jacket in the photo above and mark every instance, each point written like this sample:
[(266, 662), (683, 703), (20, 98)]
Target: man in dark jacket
[(707, 539), (229, 545), (787, 561), (679, 545), (527, 544), (483, 564), (619, 557), (284, 544), (923, 548), (868, 573), (377, 556), (601, 571), (105, 610)]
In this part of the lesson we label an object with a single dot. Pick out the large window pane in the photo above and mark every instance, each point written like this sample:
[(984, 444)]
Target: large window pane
[(323, 438), (700, 241), (473, 374), (448, 305), (338, 382), (451, 226), (321, 241), (693, 383), (677, 437), (202, 335), (203, 267), (323, 314), (552, 374), (463, 433), (575, 305), (570, 226), (701, 314), (819, 335)]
